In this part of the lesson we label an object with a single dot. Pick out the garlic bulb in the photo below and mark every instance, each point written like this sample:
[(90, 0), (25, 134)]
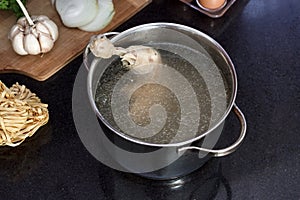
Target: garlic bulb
[(35, 38)]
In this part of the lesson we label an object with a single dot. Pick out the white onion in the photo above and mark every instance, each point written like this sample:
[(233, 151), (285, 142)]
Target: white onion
[(103, 17), (87, 15), (75, 13)]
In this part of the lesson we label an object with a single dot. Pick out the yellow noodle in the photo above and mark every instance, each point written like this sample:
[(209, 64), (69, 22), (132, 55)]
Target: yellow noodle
[(21, 114)]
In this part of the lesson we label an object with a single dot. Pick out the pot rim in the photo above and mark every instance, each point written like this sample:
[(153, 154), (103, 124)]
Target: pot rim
[(214, 43)]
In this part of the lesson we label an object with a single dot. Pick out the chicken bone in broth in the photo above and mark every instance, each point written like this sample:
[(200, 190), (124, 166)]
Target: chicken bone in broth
[(142, 59)]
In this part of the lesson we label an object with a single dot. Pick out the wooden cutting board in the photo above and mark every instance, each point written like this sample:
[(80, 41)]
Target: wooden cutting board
[(71, 42)]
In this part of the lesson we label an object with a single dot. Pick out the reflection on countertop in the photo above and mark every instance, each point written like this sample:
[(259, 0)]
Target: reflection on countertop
[(205, 183), (18, 162)]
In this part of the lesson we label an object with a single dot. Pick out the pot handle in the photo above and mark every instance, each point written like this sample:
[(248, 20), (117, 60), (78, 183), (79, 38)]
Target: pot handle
[(230, 149), (87, 48)]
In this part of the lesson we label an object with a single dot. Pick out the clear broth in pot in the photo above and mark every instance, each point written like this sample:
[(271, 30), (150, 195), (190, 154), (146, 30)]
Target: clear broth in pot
[(175, 102)]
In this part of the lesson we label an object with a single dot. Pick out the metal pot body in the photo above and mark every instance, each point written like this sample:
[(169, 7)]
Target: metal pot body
[(157, 160), (159, 163)]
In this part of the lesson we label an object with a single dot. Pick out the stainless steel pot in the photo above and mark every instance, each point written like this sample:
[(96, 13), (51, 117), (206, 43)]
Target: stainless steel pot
[(155, 157)]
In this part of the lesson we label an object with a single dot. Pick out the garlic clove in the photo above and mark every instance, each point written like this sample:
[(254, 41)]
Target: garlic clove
[(52, 28), (22, 21), (31, 44), (14, 31), (17, 43), (46, 43), (31, 30), (41, 28), (45, 25)]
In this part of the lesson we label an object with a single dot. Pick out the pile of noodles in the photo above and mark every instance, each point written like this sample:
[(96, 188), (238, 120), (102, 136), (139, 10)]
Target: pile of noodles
[(21, 114)]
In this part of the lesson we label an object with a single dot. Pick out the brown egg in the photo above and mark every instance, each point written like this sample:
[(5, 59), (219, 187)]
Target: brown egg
[(211, 4)]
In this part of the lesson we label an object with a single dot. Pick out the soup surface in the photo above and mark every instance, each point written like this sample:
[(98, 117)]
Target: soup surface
[(176, 101)]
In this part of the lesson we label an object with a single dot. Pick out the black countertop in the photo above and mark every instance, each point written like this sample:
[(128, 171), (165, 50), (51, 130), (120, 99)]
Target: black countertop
[(263, 41)]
